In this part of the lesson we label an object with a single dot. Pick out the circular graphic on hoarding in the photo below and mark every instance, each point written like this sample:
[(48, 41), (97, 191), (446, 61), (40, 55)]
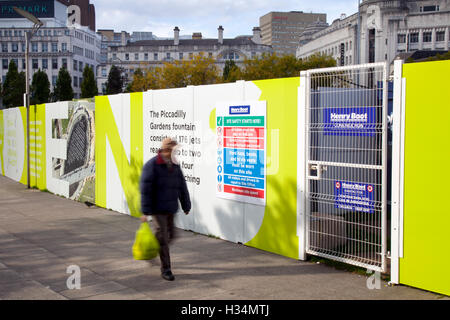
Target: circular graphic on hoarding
[(338, 184), (369, 188)]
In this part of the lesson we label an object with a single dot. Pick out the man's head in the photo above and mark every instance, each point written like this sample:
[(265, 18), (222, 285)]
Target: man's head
[(167, 147)]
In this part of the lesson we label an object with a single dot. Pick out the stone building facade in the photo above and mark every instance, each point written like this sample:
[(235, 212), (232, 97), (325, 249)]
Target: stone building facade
[(385, 29), (154, 53)]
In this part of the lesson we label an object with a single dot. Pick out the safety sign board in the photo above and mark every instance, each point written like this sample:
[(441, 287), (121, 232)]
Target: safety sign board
[(241, 151)]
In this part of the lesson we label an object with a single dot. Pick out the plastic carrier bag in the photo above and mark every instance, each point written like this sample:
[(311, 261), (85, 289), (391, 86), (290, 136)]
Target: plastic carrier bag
[(146, 246)]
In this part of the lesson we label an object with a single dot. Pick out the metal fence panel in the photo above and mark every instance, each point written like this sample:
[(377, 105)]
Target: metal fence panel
[(346, 161)]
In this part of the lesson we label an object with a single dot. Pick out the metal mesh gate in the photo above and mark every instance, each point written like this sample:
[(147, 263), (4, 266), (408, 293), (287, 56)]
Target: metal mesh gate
[(345, 164)]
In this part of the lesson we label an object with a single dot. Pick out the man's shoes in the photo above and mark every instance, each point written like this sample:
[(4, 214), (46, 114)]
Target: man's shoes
[(167, 275)]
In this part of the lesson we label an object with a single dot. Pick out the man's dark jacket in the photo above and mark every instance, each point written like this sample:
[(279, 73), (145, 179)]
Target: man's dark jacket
[(161, 187)]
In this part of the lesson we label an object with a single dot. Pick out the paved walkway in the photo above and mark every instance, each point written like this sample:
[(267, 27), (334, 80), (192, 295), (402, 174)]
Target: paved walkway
[(41, 235)]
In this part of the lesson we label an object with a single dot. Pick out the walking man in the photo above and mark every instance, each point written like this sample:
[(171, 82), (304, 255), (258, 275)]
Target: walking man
[(162, 185)]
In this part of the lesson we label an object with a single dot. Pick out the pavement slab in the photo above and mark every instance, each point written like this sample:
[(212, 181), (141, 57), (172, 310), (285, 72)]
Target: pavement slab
[(41, 235)]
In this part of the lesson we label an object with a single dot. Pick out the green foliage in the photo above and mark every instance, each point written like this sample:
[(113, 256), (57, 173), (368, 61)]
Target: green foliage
[(270, 66), (63, 89), (202, 70), (40, 88), (115, 82), (13, 87), (181, 73), (438, 57), (230, 69), (88, 85)]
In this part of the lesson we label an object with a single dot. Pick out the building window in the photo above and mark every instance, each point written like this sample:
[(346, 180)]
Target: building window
[(4, 47), (401, 38), (75, 65), (55, 63), (231, 56), (427, 37), (145, 56), (67, 32), (429, 8), (180, 55), (75, 82), (44, 63), (103, 72), (346, 46), (63, 47), (350, 45), (349, 59), (64, 63), (15, 47), (23, 47), (440, 36), (127, 56), (5, 64), (168, 55), (54, 78), (253, 55), (414, 37), (114, 56), (34, 47), (44, 47), (54, 46), (155, 56), (136, 56), (35, 63), (80, 66), (24, 65), (210, 55)]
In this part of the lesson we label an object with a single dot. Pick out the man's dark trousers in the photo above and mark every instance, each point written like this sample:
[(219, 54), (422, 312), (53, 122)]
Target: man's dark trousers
[(165, 233)]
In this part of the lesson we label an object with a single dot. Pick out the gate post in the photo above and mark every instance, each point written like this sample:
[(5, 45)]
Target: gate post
[(398, 118), (301, 164)]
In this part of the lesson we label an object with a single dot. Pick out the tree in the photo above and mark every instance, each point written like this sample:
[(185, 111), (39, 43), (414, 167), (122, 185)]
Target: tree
[(269, 66), (229, 71), (200, 70), (63, 89), (181, 73), (88, 85), (13, 87), (318, 60), (115, 83), (139, 83), (40, 88)]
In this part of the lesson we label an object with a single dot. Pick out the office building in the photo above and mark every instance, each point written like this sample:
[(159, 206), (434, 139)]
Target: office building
[(282, 30), (61, 42)]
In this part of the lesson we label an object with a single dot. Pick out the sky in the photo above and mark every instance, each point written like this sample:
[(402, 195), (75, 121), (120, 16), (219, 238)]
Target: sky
[(238, 17)]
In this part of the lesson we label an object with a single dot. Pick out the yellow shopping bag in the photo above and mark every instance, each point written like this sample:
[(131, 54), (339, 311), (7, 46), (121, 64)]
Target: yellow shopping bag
[(146, 246)]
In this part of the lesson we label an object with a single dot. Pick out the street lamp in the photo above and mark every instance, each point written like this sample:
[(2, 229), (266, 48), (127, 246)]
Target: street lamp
[(28, 35)]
